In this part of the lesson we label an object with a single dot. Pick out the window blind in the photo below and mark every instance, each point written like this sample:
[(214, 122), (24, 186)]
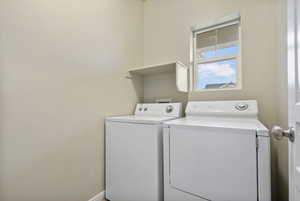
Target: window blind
[(218, 37)]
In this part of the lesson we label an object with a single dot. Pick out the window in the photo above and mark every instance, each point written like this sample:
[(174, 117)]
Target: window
[(217, 57)]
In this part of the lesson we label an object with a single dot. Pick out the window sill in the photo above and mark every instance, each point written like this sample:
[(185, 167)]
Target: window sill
[(219, 89)]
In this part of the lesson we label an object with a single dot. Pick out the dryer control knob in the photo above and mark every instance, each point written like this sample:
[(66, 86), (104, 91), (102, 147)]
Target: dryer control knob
[(241, 107), (169, 109)]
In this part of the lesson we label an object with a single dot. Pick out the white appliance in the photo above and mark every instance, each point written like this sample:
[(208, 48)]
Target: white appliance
[(219, 152), (134, 153)]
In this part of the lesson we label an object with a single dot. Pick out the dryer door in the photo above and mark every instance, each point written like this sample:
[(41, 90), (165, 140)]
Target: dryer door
[(214, 163)]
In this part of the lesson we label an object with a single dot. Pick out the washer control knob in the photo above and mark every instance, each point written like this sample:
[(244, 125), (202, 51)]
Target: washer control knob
[(140, 109), (145, 109), (169, 109), (242, 107)]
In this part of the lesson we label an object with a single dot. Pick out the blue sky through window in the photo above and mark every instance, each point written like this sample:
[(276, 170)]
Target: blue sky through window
[(217, 74), (219, 52)]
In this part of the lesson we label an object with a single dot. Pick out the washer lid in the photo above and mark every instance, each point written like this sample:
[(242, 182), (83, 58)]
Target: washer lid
[(221, 122), (140, 119)]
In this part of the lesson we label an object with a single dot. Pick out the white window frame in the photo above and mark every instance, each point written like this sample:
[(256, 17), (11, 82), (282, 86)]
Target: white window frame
[(195, 62)]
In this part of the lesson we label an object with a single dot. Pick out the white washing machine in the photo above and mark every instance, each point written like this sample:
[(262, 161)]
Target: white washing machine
[(134, 153), (219, 152)]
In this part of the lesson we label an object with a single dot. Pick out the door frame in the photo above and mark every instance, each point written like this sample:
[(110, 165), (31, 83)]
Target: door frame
[(291, 47)]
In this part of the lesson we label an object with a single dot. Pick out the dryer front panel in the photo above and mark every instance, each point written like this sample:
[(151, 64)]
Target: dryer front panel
[(217, 164)]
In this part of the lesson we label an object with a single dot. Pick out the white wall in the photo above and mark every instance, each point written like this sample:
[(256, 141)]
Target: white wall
[(62, 68), (167, 26)]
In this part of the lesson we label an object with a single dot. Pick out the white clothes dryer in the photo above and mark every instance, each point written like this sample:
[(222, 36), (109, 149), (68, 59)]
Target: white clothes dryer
[(219, 152)]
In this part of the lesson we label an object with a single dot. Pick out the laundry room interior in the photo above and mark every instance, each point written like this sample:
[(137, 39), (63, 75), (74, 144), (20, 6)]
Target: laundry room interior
[(66, 67)]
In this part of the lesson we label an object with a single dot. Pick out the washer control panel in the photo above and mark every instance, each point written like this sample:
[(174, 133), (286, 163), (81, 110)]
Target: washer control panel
[(169, 109), (159, 109)]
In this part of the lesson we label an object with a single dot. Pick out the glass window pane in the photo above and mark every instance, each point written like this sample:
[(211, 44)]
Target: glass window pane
[(229, 50), (217, 75)]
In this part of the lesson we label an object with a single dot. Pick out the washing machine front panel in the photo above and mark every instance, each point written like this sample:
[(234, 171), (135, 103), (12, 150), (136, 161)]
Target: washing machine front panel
[(217, 164), (133, 162)]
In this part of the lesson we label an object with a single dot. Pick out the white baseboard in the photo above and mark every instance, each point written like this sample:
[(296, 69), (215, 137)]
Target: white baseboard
[(99, 197)]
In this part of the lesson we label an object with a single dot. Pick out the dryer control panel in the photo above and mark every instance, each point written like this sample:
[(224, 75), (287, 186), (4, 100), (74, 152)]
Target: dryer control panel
[(159, 109), (223, 108)]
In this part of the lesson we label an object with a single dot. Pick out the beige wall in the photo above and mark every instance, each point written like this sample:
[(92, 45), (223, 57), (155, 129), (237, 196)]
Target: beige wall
[(62, 68), (167, 33), (166, 37), (162, 86)]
